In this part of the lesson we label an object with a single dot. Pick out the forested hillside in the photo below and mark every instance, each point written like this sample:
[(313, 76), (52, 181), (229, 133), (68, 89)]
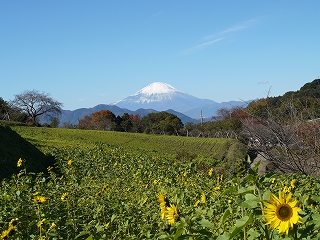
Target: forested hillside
[(307, 98)]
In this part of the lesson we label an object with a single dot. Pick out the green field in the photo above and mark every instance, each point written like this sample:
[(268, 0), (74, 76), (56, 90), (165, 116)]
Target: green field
[(208, 147), (35, 144), (78, 184)]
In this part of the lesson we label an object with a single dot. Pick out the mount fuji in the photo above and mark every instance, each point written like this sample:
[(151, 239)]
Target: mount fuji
[(161, 96), (155, 97)]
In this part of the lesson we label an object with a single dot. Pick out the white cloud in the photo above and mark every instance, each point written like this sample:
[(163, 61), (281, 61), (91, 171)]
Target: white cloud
[(157, 14), (217, 37), (200, 46), (263, 82)]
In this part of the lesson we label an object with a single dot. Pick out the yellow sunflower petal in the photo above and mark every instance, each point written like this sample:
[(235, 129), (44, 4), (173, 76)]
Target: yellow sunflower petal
[(281, 212)]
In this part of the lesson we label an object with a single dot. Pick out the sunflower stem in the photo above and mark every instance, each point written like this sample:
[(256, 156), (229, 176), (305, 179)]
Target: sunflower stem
[(295, 230), (261, 206), (244, 229)]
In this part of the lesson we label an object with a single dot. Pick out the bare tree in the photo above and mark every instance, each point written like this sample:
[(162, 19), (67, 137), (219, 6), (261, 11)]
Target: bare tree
[(288, 138), (36, 104)]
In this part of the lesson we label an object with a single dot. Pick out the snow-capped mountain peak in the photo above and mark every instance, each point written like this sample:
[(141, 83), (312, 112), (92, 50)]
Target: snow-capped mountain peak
[(157, 88), (161, 96)]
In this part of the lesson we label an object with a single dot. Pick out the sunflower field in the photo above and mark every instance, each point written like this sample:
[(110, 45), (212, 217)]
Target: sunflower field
[(103, 191)]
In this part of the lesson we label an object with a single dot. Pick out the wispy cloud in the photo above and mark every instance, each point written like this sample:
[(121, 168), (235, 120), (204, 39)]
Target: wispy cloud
[(200, 46), (217, 37), (157, 14), (263, 82)]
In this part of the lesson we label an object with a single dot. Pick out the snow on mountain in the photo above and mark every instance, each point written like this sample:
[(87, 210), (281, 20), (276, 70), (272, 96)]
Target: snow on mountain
[(162, 96), (157, 88)]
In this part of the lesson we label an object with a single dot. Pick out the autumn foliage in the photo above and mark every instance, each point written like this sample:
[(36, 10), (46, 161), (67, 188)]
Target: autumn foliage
[(102, 120)]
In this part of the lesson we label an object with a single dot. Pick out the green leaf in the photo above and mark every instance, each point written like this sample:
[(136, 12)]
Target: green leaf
[(178, 234), (240, 224), (99, 228), (225, 236), (256, 166), (230, 190), (225, 216), (186, 236), (179, 231), (316, 219), (251, 200), (203, 232), (83, 233), (253, 234), (244, 190), (205, 223), (210, 212), (266, 195), (113, 217), (90, 237)]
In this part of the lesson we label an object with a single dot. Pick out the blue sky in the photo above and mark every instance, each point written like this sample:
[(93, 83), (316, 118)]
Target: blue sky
[(86, 53)]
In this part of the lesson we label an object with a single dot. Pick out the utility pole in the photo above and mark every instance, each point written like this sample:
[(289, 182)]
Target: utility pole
[(201, 117)]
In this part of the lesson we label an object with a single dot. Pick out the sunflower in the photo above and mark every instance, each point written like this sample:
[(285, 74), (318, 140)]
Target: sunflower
[(64, 196), (19, 163), (282, 212), (164, 203), (293, 183), (40, 223), (172, 213), (203, 198), (39, 199)]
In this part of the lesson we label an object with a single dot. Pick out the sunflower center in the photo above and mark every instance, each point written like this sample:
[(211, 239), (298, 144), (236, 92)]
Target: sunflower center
[(284, 212)]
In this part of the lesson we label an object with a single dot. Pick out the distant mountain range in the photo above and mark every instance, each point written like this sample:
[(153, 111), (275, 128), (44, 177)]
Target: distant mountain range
[(74, 116), (156, 97), (162, 96)]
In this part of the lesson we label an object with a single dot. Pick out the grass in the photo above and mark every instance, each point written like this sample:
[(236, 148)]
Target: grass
[(220, 149)]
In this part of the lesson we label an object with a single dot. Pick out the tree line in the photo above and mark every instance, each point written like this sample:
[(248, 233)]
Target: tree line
[(153, 123)]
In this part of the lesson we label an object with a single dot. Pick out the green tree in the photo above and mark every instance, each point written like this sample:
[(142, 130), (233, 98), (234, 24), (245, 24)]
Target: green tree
[(189, 126), (136, 123), (126, 123), (54, 122), (162, 123)]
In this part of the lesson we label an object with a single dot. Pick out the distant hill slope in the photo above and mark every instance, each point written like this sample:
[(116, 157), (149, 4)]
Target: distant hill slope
[(311, 89), (306, 100), (308, 90), (74, 116)]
